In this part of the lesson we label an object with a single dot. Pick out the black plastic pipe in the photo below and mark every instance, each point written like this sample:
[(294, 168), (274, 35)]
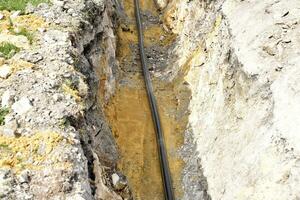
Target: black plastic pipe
[(164, 165)]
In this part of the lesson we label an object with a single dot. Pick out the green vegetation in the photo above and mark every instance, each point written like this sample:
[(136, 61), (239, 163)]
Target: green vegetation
[(3, 113), (4, 146), (19, 4), (8, 50)]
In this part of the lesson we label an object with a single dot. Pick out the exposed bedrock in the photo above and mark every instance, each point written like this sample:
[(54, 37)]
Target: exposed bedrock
[(243, 59)]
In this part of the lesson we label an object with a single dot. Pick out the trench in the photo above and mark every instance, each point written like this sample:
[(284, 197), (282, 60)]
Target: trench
[(128, 112)]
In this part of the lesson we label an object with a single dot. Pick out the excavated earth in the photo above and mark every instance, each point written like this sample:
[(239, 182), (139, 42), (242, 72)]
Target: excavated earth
[(75, 121), (128, 110)]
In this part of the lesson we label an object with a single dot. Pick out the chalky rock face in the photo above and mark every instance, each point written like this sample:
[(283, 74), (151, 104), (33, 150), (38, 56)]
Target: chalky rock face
[(244, 74)]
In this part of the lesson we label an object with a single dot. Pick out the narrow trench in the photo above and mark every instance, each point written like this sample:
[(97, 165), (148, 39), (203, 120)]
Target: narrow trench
[(128, 112)]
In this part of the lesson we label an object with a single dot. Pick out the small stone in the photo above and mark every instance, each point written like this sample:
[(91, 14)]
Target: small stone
[(33, 57), (75, 197), (2, 61), (29, 8), (5, 71), (58, 3), (41, 30), (67, 187), (15, 14), (57, 21), (57, 97), (5, 183), (7, 99), (119, 181), (20, 41), (8, 132), (83, 89), (270, 50), (10, 128), (19, 154), (42, 148), (22, 106), (24, 177), (70, 11), (17, 30)]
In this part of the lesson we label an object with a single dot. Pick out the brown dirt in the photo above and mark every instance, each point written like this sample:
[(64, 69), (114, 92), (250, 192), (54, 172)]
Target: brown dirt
[(129, 115)]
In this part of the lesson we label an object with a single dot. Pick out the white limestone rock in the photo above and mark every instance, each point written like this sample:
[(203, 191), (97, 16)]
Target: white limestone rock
[(22, 106), (10, 127), (161, 3), (7, 98), (5, 71), (1, 16), (15, 14), (18, 40), (119, 181)]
